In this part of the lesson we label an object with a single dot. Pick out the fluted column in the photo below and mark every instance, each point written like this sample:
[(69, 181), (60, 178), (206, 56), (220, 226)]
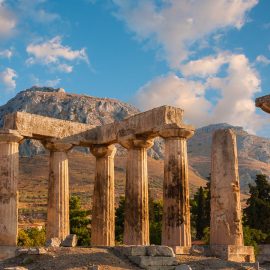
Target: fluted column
[(136, 227), (176, 212), (9, 171), (58, 192), (103, 227)]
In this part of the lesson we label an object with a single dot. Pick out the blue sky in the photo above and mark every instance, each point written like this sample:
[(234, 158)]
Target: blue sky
[(211, 58)]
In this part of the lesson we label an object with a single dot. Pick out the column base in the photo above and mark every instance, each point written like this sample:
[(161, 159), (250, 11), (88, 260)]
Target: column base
[(181, 250), (233, 253), (7, 252)]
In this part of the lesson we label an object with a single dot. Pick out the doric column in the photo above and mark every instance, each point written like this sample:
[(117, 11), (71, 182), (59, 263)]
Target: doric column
[(102, 227), (226, 217), (58, 193), (176, 212), (136, 227), (9, 172)]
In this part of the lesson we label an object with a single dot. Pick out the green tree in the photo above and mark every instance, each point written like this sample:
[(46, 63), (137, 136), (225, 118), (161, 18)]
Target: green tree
[(119, 220), (257, 212), (200, 210), (31, 237), (79, 221)]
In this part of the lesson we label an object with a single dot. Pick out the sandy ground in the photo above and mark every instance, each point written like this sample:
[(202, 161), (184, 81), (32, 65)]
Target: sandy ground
[(88, 258)]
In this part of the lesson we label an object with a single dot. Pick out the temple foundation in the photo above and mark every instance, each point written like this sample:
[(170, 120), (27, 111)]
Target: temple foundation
[(103, 227), (226, 233), (176, 213)]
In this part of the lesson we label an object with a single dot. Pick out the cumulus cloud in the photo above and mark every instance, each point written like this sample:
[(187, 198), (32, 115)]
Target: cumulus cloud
[(54, 54), (176, 25), (7, 78), (263, 60), (6, 53), (234, 93), (7, 20)]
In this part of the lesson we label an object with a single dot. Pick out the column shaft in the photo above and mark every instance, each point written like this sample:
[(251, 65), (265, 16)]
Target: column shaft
[(9, 172), (176, 212), (136, 230), (103, 227), (58, 196), (226, 216)]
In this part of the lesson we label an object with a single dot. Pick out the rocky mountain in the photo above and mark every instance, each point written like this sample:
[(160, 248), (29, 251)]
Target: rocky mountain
[(253, 151)]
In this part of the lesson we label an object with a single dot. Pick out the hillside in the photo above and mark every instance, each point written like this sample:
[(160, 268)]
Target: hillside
[(254, 151)]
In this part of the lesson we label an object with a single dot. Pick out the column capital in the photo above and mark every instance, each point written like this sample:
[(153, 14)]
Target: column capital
[(101, 150), (9, 135), (132, 142), (55, 146), (185, 133)]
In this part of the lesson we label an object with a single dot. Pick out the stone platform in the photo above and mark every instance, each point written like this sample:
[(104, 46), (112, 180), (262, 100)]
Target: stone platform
[(181, 250), (233, 253)]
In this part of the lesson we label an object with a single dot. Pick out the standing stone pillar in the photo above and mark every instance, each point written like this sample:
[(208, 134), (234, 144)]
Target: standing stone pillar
[(226, 233), (102, 227), (136, 227), (9, 172), (176, 210), (58, 193)]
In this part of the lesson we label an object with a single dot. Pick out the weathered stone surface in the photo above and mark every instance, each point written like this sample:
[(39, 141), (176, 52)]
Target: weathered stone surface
[(162, 251), (176, 212), (58, 193), (263, 103), (136, 229), (234, 253), (183, 267), (7, 252), (70, 241), (131, 250), (37, 251), (53, 242), (160, 267), (102, 226), (9, 172), (226, 216), (264, 253), (181, 250), (21, 251), (145, 261), (196, 250), (16, 268)]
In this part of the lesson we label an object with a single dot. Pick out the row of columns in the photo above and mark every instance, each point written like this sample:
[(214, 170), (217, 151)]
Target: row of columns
[(176, 217)]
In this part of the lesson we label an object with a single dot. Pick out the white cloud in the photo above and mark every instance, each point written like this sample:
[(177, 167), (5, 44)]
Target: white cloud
[(204, 67), (6, 53), (234, 94), (53, 53), (7, 20), (7, 78), (176, 25), (51, 83), (262, 59)]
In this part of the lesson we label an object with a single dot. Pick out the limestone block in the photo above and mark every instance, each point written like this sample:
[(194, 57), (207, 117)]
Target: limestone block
[(37, 251), (160, 267), (53, 242), (183, 267), (16, 268), (195, 249), (131, 250), (234, 253), (70, 241), (264, 253), (181, 250), (145, 261), (162, 251), (21, 251)]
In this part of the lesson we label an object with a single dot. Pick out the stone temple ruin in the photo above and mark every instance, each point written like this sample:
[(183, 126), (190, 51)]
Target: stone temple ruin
[(136, 134)]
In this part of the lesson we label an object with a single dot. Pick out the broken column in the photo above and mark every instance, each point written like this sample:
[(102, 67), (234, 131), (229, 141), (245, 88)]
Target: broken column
[(9, 172), (176, 212), (58, 193), (136, 225), (102, 226), (226, 233)]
